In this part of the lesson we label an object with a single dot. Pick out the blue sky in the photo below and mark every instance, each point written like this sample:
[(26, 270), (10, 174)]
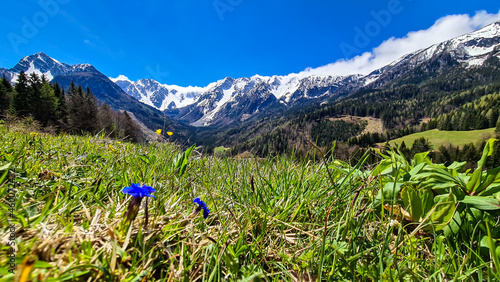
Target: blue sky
[(187, 42)]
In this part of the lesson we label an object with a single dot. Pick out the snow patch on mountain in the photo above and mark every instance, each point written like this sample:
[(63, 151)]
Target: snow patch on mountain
[(33, 69)]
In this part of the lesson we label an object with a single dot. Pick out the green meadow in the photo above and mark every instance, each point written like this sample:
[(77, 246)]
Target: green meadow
[(274, 219), (440, 137)]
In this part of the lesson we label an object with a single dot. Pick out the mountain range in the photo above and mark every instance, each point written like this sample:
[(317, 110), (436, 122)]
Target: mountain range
[(230, 102), (101, 86), (236, 99)]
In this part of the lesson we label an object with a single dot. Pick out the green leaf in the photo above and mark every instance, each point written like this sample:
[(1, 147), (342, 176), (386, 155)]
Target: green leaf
[(427, 198), (475, 180), (442, 214), (484, 188), (458, 166), (482, 203), (231, 263), (306, 256), (390, 192), (421, 158), (453, 226), (417, 169), (42, 264), (181, 160), (384, 167), (488, 150), (412, 202), (5, 167)]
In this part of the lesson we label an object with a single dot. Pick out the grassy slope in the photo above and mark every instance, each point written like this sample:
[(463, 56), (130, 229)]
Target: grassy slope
[(297, 221), (438, 138)]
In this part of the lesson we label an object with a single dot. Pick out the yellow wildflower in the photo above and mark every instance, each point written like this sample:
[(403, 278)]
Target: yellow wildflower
[(118, 142), (170, 133), (111, 148), (34, 134), (158, 131)]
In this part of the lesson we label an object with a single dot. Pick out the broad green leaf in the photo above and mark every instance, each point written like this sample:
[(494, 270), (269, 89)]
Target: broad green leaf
[(384, 167), (458, 166), (5, 167), (441, 175), (475, 180), (416, 169), (442, 214), (231, 263), (390, 192), (427, 198), (421, 158), (474, 215), (484, 189), (482, 203), (445, 198), (453, 226), (488, 150), (412, 202)]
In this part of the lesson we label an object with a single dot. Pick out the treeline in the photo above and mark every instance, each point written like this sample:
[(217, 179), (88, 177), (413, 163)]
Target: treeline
[(401, 107), (295, 136), (474, 109), (447, 154), (406, 102), (71, 110), (321, 132), (463, 98), (480, 114)]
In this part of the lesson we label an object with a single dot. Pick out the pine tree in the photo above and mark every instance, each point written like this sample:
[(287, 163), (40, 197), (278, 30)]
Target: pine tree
[(6, 83), (47, 105), (35, 90), (82, 110), (91, 110), (493, 118), (4, 105), (108, 120), (404, 150), (21, 100), (62, 110), (129, 128), (420, 145), (6, 90)]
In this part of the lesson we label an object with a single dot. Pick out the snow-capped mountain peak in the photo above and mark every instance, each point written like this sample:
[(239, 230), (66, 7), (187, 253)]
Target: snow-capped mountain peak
[(232, 99), (160, 96), (120, 78), (41, 64)]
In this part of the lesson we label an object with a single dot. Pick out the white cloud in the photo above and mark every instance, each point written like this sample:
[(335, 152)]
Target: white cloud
[(443, 29)]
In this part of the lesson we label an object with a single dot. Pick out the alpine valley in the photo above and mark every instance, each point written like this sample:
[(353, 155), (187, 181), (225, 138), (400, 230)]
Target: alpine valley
[(284, 112)]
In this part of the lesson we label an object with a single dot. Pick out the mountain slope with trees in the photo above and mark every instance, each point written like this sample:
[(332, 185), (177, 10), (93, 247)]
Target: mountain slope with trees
[(73, 110)]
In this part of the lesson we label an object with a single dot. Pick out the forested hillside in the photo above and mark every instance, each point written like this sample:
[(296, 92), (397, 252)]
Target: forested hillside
[(73, 110), (458, 98)]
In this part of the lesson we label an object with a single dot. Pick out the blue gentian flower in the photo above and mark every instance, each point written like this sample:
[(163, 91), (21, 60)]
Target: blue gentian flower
[(202, 205), (137, 191)]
